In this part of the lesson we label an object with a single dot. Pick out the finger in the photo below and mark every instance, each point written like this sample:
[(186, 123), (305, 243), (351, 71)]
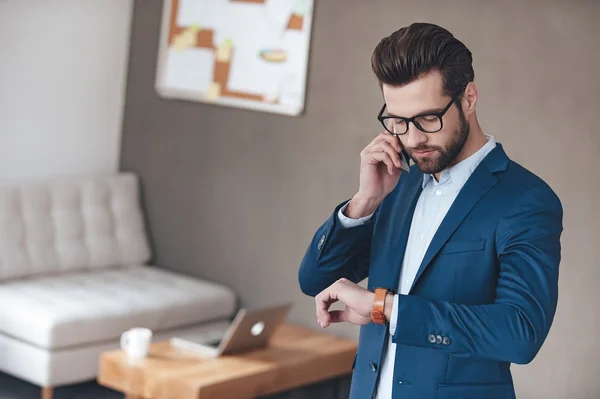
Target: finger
[(388, 138), (320, 306), (339, 316), (382, 156), (391, 150), (323, 301), (379, 146)]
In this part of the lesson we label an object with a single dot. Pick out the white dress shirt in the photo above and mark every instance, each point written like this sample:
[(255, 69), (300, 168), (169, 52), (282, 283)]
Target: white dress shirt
[(432, 206)]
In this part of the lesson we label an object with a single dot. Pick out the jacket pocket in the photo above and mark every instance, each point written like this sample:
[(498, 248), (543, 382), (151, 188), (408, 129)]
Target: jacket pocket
[(502, 390), (463, 246)]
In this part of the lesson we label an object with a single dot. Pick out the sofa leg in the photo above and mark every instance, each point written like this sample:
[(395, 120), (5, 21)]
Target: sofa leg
[(47, 392)]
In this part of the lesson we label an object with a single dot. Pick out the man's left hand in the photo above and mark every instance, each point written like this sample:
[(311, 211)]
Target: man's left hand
[(358, 301)]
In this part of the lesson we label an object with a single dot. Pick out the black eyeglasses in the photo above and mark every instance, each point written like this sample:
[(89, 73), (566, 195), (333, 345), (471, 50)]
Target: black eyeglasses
[(429, 123)]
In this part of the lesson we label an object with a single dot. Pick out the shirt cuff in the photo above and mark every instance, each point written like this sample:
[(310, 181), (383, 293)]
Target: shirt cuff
[(394, 316), (347, 222)]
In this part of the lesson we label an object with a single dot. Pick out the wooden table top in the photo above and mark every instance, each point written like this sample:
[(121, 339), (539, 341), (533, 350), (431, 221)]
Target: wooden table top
[(296, 356)]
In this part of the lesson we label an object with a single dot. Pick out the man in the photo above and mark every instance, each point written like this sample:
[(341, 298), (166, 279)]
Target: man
[(461, 252)]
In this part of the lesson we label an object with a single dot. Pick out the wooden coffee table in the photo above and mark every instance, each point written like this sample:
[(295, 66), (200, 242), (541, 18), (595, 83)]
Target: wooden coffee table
[(296, 356)]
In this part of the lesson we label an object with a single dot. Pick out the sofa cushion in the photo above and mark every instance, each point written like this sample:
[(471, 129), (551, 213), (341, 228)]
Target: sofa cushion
[(79, 308), (72, 223)]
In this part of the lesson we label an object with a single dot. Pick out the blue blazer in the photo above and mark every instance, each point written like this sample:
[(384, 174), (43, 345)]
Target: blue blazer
[(485, 294)]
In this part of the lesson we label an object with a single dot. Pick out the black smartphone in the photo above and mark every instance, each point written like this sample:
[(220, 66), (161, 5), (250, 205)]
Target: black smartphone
[(405, 159)]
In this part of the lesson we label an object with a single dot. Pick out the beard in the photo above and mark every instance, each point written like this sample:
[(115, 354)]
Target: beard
[(447, 155)]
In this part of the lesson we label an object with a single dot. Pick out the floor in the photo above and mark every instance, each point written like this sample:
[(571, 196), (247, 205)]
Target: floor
[(13, 388)]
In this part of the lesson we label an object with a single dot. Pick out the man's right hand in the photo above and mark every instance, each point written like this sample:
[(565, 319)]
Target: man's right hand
[(380, 169)]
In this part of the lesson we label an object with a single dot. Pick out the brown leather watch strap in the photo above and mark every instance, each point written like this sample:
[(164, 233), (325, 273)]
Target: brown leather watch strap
[(377, 313)]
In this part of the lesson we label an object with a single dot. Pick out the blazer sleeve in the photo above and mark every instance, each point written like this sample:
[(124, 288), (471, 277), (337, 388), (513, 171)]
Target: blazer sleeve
[(514, 327), (336, 252)]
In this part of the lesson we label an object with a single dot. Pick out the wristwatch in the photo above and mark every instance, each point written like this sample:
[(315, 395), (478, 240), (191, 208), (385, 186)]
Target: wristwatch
[(377, 314)]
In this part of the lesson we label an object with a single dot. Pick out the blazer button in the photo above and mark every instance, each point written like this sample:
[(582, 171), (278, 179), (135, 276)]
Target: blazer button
[(438, 339), (373, 367), (431, 338), (321, 242), (446, 341)]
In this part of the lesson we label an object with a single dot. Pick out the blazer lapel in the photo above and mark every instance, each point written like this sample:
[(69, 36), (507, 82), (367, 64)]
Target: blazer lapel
[(480, 182)]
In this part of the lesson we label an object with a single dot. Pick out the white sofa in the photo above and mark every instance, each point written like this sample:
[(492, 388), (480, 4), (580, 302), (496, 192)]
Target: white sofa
[(73, 277)]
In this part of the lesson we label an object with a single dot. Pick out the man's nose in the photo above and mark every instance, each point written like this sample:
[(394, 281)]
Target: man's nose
[(415, 137)]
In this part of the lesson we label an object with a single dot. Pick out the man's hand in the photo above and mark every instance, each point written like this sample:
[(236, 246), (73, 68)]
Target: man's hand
[(380, 168), (358, 301)]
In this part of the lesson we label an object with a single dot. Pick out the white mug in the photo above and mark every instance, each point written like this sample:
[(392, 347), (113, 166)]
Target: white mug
[(135, 342)]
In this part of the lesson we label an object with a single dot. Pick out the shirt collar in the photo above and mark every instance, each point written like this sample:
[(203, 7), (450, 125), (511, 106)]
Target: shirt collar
[(461, 172)]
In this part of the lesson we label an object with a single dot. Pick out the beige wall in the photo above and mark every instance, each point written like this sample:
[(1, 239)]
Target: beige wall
[(62, 86), (235, 196)]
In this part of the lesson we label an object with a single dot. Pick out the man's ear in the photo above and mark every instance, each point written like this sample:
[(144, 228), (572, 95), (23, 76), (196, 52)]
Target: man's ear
[(469, 99)]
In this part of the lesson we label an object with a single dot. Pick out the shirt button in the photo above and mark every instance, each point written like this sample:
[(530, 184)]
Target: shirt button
[(438, 192), (423, 236)]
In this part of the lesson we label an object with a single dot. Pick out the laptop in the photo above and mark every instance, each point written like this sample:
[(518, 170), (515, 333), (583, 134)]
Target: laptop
[(250, 329)]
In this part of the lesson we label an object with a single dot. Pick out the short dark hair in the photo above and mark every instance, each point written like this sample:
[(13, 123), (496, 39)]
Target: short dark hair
[(418, 49)]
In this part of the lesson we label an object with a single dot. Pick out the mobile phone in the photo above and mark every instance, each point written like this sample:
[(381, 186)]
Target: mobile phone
[(405, 160)]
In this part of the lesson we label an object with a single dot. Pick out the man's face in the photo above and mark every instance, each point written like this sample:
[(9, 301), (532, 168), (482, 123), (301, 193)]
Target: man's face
[(431, 152)]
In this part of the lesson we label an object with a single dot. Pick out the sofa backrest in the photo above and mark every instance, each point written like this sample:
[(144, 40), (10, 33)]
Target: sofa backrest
[(70, 224)]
